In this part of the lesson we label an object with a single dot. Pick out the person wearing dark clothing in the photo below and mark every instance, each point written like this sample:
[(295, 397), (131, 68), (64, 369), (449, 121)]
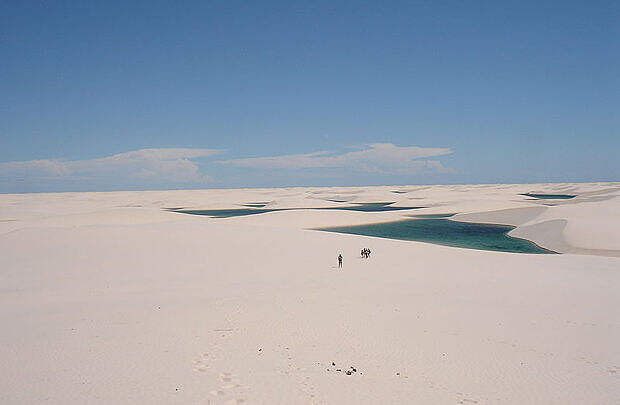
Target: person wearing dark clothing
[(339, 260)]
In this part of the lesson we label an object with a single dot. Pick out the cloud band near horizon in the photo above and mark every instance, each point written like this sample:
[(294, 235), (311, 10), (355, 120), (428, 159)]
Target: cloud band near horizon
[(186, 166), (174, 164), (383, 158)]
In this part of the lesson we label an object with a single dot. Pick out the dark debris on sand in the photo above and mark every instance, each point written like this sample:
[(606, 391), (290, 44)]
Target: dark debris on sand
[(350, 371)]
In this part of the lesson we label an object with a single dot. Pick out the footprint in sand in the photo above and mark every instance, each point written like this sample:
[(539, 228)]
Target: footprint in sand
[(227, 388), (201, 365), (461, 399), (228, 382), (226, 377)]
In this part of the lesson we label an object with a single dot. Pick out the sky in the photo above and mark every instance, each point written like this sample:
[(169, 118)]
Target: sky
[(136, 95)]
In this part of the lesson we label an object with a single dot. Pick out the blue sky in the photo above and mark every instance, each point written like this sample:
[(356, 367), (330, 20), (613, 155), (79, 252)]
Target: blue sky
[(160, 94)]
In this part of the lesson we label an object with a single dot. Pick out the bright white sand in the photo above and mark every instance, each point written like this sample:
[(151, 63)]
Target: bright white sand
[(107, 298)]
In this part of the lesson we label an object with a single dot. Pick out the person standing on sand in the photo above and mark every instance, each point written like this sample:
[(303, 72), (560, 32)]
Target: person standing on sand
[(340, 261)]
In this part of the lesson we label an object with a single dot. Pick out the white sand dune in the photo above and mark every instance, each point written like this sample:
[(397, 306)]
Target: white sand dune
[(109, 298)]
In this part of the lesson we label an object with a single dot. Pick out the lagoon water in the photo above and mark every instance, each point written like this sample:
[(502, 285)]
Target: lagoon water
[(550, 196), (432, 216), (371, 207), (237, 212), (446, 232), (227, 213)]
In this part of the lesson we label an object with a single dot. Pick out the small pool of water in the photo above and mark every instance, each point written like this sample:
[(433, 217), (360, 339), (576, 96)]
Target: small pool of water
[(227, 213), (433, 216), (550, 196), (255, 205), (371, 207), (446, 232)]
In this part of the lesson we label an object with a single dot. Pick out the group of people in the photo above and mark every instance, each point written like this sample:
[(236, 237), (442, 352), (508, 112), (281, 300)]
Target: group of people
[(365, 255)]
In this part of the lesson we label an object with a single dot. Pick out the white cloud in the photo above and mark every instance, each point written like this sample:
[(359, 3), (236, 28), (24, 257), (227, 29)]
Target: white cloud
[(166, 164), (178, 167), (384, 158)]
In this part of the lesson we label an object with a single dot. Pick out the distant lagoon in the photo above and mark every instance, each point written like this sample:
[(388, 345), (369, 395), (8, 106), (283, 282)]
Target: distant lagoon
[(550, 196), (257, 208)]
